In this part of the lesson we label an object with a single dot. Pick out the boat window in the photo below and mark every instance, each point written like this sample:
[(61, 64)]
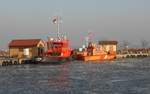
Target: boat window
[(55, 45)]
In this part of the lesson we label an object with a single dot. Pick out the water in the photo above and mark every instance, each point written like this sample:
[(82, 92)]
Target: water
[(129, 76)]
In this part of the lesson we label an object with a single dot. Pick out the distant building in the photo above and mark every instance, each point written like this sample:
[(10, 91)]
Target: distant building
[(21, 48), (108, 46)]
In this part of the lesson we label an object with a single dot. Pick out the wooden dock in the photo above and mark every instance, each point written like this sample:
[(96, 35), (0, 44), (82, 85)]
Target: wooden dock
[(11, 61)]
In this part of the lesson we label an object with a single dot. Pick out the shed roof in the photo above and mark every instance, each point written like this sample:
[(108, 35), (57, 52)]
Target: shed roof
[(24, 42), (108, 42)]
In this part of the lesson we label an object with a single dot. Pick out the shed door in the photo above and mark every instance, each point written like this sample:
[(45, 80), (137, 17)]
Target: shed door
[(40, 51)]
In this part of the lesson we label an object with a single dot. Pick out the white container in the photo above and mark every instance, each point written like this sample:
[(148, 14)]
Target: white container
[(80, 49), (26, 51), (83, 46)]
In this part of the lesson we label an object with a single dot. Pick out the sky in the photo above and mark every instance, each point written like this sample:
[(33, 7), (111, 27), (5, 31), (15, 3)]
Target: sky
[(121, 20)]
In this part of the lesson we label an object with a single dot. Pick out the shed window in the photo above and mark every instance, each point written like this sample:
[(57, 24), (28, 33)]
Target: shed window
[(20, 50)]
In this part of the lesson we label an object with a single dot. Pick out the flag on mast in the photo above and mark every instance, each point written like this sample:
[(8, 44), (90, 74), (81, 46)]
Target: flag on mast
[(55, 20), (90, 34)]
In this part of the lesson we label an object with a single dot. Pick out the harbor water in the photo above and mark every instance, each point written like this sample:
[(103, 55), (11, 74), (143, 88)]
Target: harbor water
[(126, 76)]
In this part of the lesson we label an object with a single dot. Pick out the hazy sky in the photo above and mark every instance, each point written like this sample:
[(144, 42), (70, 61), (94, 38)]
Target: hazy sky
[(107, 19)]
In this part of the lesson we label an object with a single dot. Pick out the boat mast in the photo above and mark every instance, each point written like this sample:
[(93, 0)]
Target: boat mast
[(58, 27), (57, 22), (88, 38)]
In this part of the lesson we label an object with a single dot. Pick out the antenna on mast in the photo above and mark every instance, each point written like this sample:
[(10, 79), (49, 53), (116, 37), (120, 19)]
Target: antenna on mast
[(58, 27)]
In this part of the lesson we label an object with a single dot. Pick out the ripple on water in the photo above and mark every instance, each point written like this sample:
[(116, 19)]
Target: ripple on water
[(117, 77)]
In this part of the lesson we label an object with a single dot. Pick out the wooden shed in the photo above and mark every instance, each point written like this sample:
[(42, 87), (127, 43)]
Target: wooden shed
[(21, 48)]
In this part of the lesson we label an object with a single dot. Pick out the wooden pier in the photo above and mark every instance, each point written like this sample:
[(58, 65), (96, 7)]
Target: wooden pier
[(12, 61)]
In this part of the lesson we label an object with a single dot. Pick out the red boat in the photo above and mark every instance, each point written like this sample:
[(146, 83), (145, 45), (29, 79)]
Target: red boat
[(58, 49)]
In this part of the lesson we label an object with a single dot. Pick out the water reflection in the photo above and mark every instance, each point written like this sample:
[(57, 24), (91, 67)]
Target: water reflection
[(60, 79)]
